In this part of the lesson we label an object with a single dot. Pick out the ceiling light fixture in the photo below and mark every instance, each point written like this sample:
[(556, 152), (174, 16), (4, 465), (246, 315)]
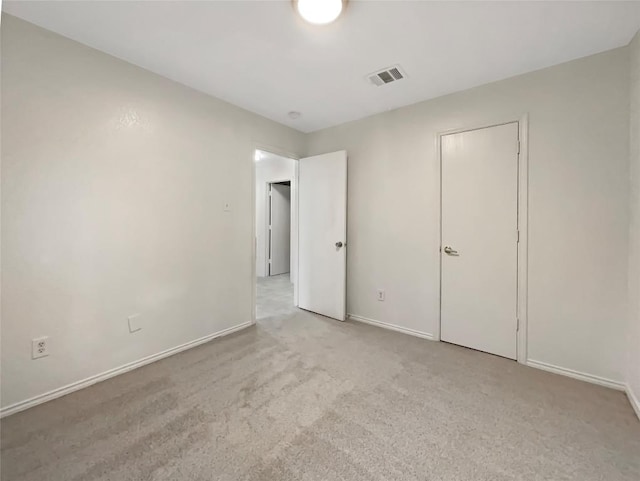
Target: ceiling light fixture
[(294, 115), (319, 12)]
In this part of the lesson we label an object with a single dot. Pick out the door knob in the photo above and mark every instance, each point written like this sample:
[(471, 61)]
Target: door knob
[(339, 244), (450, 252)]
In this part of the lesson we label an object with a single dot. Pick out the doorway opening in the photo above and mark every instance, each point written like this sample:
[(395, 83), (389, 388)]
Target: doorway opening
[(279, 233), (276, 234), (300, 234)]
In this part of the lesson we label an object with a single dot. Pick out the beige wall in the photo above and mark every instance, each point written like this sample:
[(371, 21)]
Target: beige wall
[(578, 207), (633, 364), (113, 183)]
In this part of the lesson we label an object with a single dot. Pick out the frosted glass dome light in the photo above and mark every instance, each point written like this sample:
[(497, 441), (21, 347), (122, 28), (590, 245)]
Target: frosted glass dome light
[(319, 12)]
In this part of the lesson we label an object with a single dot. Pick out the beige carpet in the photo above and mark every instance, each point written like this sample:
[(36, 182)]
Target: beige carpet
[(305, 398), (274, 296)]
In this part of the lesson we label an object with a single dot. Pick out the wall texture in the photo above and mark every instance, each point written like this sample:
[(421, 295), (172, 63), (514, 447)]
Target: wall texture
[(113, 184), (633, 362), (578, 207)]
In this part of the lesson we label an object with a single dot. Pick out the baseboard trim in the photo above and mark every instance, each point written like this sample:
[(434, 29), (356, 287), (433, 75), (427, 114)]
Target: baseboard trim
[(391, 327), (601, 381), (76, 386), (633, 399)]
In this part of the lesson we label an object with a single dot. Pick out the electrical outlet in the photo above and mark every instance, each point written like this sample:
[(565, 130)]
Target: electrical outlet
[(39, 347), (380, 294), (134, 323)]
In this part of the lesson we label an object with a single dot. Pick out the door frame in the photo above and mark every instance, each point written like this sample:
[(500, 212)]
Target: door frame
[(267, 246), (294, 216), (522, 226)]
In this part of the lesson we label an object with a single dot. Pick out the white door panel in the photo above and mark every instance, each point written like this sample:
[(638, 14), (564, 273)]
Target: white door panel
[(479, 221), (280, 231), (322, 223)]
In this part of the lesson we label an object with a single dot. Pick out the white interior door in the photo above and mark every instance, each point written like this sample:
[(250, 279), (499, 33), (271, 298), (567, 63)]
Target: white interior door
[(479, 239), (322, 234), (279, 229)]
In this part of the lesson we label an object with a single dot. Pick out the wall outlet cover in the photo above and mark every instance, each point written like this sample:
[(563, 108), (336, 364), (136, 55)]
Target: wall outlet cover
[(39, 347), (134, 323)]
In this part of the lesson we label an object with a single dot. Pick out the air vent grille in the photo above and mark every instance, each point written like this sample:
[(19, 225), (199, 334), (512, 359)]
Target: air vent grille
[(386, 76), (395, 73)]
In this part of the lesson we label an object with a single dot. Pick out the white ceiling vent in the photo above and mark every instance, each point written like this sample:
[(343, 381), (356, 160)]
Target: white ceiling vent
[(387, 75)]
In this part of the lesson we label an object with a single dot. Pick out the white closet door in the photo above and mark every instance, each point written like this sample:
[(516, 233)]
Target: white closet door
[(479, 239)]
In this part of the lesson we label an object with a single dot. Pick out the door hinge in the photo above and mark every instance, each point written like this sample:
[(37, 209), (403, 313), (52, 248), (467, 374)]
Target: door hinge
[(518, 146), (517, 324), (518, 236)]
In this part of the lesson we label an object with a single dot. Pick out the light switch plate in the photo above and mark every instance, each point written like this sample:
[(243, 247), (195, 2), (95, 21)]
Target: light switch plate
[(134, 323), (227, 206)]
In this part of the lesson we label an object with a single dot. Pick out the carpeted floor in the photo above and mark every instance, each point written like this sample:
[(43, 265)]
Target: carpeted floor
[(274, 296), (300, 397)]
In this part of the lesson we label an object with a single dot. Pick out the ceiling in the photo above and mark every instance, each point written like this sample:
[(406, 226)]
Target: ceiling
[(262, 57)]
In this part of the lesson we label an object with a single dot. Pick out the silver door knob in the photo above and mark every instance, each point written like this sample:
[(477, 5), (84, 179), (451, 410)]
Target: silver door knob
[(339, 244), (450, 252)]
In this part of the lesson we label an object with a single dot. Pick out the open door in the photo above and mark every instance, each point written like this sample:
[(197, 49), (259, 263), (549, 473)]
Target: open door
[(322, 234), (279, 228)]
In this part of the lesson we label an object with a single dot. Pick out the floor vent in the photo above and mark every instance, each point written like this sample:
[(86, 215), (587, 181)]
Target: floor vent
[(386, 76)]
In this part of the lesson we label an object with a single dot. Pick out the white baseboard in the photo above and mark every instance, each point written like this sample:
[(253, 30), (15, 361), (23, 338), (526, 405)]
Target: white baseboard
[(392, 327), (76, 386), (601, 381), (633, 399)]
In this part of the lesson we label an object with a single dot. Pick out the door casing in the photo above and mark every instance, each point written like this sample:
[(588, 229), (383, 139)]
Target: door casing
[(523, 201)]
